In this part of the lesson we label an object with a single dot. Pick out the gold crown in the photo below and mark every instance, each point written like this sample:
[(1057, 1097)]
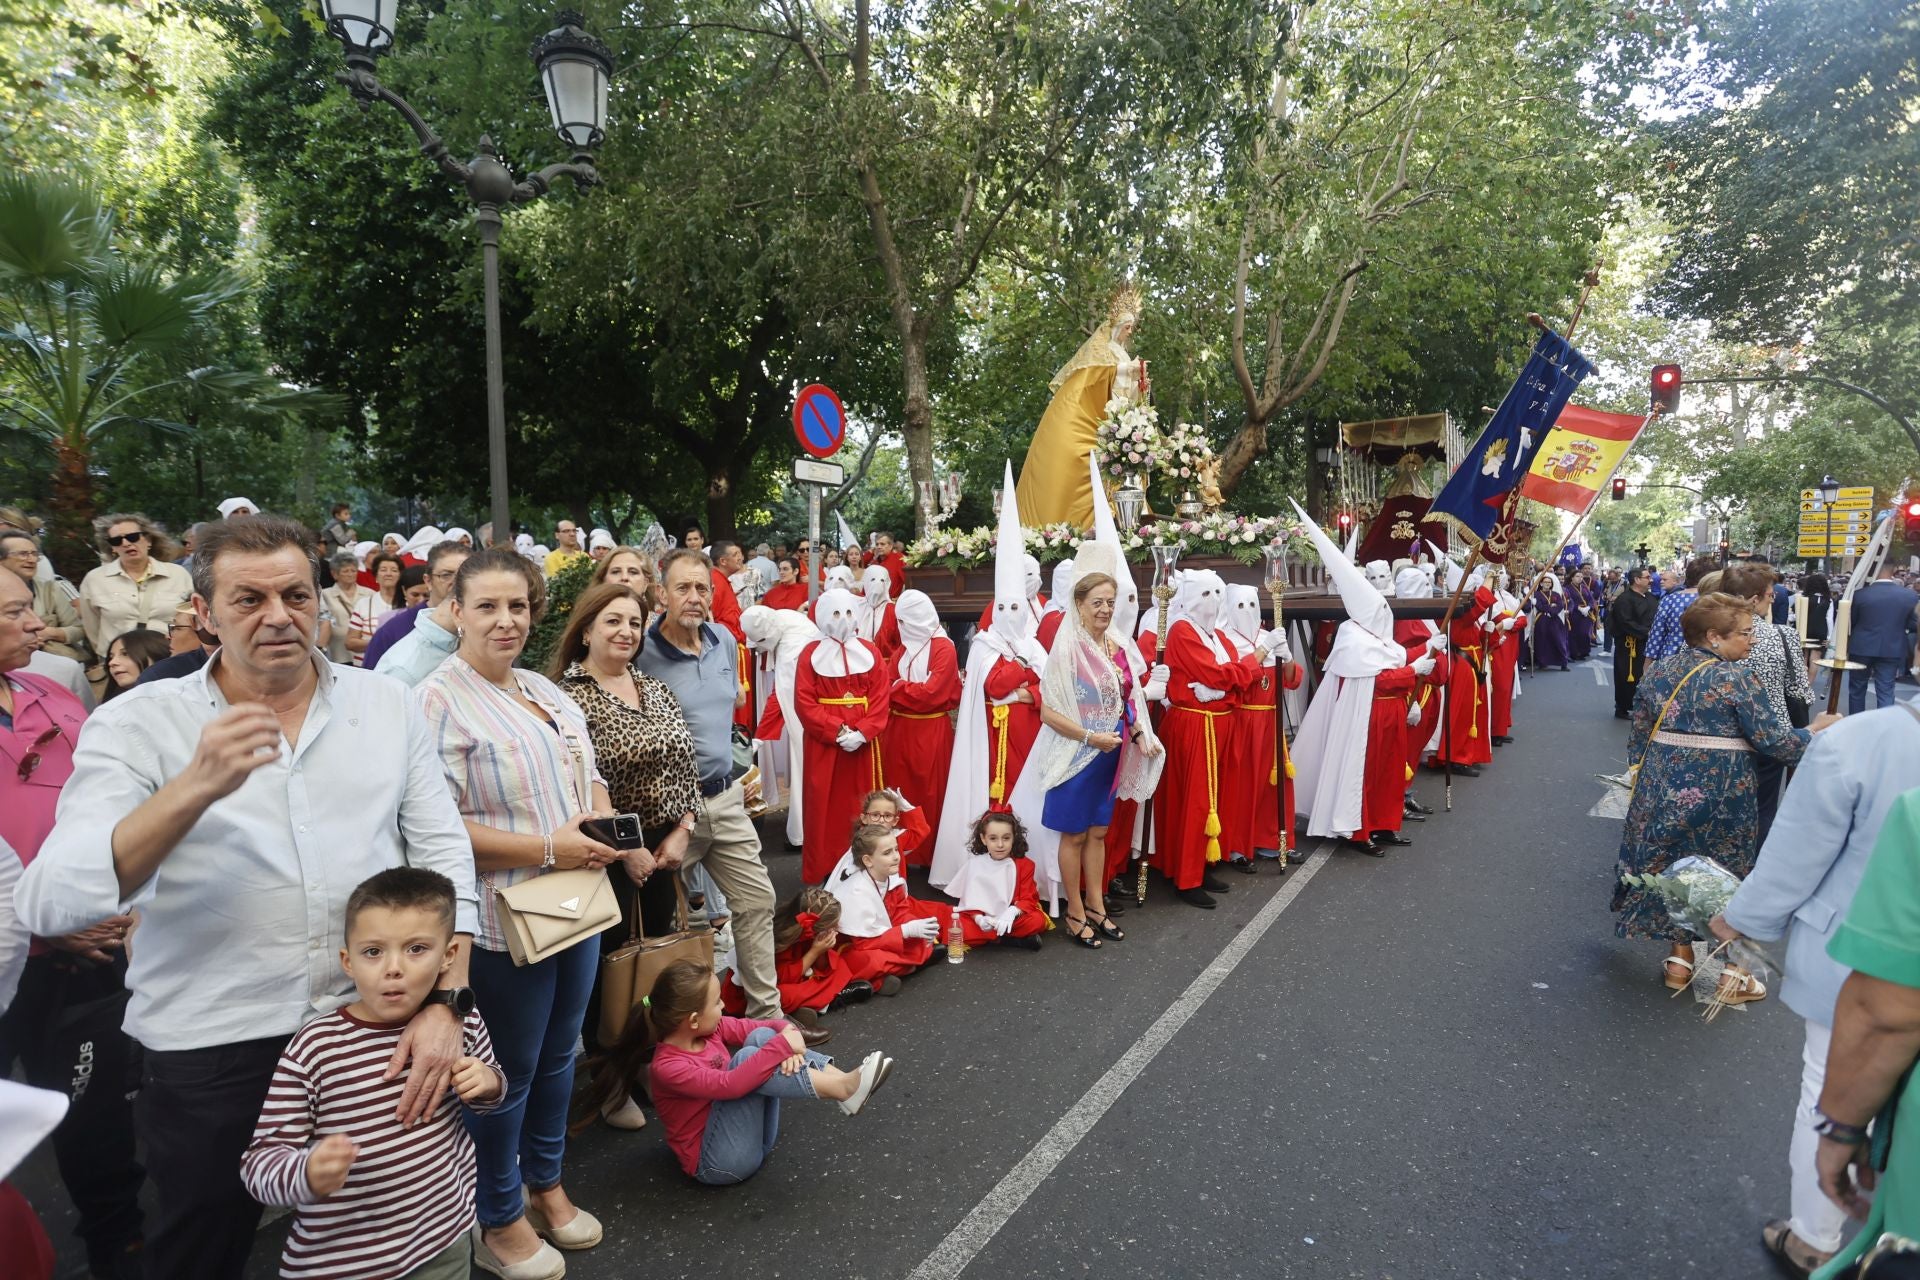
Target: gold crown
[(1127, 301)]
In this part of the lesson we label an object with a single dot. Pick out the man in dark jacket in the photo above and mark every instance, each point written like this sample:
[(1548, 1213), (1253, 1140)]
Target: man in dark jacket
[(1628, 622), (1883, 614)]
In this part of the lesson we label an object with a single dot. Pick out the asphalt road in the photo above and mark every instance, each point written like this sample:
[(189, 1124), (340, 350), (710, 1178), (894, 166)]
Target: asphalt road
[(1441, 1064)]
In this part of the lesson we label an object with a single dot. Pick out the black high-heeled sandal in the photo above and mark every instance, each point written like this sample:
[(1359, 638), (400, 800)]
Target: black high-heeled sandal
[(1107, 928), (1084, 939)]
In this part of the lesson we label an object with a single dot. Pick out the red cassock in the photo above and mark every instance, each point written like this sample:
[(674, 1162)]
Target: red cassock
[(1270, 793), (919, 742), (1189, 807), (1120, 829), (1026, 897), (1506, 666), (1383, 800), (831, 974), (1237, 785), (786, 595), (895, 563), (1049, 628), (893, 953), (1466, 737), (886, 637), (1011, 729), (837, 780), (1413, 637)]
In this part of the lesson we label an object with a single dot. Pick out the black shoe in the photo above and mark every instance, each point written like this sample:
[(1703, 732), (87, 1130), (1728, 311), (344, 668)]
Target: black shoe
[(1212, 883), (1121, 886), (859, 991), (1503, 740), (939, 953), (1412, 815), (814, 1037), (1244, 866), (1390, 837), (1295, 858), (1367, 847), (1117, 902), (1466, 771), (1412, 805), (1196, 897), (1623, 715), (1029, 943)]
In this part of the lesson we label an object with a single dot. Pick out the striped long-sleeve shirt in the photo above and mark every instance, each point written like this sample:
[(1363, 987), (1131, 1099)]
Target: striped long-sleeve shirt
[(409, 1194)]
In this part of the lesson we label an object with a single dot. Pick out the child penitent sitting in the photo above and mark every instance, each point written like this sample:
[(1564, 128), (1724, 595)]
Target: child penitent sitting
[(885, 934), (717, 1081), (373, 1198), (889, 809), (813, 976), (995, 888)]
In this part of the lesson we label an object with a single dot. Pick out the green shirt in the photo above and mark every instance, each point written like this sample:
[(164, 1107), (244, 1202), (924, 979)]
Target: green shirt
[(1881, 938)]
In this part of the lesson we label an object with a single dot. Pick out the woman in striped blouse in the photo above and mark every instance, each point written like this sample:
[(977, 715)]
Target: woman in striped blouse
[(520, 761)]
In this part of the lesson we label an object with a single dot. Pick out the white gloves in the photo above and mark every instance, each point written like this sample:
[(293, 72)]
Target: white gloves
[(1156, 687), (1204, 694), (1423, 665), (1506, 624), (1413, 711), (927, 930), (1276, 646), (1437, 644), (1007, 701), (851, 739), (1002, 924)]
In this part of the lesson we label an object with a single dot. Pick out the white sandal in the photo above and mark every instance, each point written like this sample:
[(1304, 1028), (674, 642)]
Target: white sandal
[(1666, 975), (1740, 987)]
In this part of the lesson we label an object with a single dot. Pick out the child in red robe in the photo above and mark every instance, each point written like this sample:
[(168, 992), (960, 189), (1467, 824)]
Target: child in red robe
[(918, 746), (885, 933), (840, 694), (890, 811), (813, 976), (999, 901)]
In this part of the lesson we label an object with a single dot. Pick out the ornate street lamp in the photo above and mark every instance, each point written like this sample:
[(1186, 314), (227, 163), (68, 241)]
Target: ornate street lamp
[(1829, 494), (574, 70)]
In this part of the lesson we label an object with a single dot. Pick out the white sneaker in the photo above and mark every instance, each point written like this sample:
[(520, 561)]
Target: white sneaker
[(874, 1069)]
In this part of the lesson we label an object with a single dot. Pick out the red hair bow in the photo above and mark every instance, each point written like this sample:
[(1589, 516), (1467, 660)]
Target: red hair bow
[(807, 920)]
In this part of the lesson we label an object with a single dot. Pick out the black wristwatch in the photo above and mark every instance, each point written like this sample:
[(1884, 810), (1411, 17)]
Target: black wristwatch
[(458, 999), (1826, 1126)]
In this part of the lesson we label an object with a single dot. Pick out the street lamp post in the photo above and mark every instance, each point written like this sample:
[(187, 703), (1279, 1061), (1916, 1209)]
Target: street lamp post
[(574, 70), (1829, 494)]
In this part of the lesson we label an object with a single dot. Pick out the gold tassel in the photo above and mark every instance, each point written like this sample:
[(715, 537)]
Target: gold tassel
[(1213, 836), (997, 789)]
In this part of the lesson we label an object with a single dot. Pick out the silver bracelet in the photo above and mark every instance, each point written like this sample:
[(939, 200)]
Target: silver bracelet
[(546, 852), (1086, 737)]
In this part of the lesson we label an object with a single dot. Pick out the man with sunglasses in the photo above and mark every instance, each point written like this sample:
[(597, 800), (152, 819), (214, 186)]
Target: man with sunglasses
[(63, 1026)]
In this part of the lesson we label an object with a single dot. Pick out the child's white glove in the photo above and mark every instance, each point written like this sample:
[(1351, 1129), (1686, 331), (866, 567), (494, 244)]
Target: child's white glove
[(1205, 694), (1506, 624), (1423, 665), (926, 929), (851, 740), (1003, 923)]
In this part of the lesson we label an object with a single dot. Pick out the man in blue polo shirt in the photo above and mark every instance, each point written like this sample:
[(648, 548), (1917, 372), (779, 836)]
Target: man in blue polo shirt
[(697, 660)]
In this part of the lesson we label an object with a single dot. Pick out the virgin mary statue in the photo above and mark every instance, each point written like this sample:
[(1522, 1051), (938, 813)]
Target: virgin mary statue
[(1055, 485)]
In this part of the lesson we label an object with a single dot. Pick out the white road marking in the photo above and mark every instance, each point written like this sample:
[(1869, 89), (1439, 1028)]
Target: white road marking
[(963, 1244)]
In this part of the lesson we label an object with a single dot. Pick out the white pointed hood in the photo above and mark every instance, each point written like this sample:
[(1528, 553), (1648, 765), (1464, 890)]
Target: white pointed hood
[(1061, 590), (1365, 605), (842, 652), (848, 538), (1243, 617), (875, 585), (919, 623), (1014, 624), (1126, 605), (1201, 599), (1446, 564)]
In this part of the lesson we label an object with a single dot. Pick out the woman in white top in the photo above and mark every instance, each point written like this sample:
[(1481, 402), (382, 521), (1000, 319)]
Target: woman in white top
[(353, 608), (138, 586)]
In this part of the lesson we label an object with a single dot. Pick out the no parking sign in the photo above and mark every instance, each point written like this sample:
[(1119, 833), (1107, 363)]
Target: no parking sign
[(819, 423)]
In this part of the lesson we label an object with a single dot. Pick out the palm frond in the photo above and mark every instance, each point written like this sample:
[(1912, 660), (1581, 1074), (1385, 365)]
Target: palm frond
[(51, 229)]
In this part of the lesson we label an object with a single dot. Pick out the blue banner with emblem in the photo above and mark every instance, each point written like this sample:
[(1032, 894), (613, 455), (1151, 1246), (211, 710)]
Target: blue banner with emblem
[(1470, 503)]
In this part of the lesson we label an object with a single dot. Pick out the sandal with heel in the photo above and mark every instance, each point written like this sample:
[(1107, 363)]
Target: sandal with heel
[(1108, 929), (1086, 939), (1667, 975)]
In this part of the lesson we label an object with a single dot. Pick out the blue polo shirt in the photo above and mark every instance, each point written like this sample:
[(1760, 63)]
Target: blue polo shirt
[(705, 687)]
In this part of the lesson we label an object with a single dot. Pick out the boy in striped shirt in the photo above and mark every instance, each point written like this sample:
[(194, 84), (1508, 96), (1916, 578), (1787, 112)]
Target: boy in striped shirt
[(373, 1200)]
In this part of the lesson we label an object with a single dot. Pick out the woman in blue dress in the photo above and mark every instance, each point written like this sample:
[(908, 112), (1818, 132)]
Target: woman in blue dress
[(1698, 785)]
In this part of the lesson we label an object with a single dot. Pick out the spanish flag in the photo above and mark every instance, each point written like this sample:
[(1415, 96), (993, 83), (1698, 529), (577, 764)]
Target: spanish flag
[(1579, 457)]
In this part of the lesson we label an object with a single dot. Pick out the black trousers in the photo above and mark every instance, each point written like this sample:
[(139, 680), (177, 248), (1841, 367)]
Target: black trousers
[(1629, 660), (196, 1115), (64, 1029), (658, 905), (1772, 776)]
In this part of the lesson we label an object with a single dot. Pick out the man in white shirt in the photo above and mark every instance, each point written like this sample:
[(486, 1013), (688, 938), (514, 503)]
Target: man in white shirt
[(210, 806)]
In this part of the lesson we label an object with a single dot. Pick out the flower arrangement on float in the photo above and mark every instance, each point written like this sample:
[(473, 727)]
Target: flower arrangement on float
[(1212, 533)]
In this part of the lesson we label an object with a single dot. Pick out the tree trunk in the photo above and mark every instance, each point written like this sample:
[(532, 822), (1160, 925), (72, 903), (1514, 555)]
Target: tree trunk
[(71, 546), (918, 428), (719, 501), (1248, 444)]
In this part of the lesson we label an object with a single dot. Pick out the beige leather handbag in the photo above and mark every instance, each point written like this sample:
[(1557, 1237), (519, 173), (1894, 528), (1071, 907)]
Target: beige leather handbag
[(551, 912)]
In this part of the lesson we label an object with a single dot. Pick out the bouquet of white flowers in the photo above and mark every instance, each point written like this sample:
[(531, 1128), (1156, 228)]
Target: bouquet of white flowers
[(1694, 890)]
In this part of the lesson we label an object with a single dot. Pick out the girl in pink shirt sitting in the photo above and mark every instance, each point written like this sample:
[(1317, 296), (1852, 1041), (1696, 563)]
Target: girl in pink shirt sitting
[(717, 1081)]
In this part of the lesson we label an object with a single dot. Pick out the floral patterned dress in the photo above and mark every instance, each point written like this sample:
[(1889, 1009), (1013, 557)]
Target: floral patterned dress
[(1694, 800)]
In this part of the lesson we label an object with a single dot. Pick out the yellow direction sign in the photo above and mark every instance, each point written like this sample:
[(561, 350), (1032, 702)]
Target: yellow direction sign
[(1854, 491), (1838, 521), (1843, 504)]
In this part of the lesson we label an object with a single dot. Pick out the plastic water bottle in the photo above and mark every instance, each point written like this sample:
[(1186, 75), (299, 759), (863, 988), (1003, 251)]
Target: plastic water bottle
[(956, 941)]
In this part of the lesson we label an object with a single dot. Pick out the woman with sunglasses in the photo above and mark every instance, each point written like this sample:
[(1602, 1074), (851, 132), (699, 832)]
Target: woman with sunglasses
[(1701, 720), (138, 586)]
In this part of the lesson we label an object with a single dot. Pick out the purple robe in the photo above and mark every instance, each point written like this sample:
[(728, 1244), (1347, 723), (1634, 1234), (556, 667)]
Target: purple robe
[(1549, 644), (1579, 626)]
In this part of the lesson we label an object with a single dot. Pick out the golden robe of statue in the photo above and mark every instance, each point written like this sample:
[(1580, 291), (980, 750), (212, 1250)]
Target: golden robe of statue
[(1054, 485)]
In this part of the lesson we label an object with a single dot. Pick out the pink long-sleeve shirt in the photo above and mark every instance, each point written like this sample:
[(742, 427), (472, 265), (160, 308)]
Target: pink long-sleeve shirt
[(686, 1085)]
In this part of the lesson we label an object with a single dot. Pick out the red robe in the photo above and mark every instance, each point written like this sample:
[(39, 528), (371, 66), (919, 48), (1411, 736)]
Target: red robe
[(1237, 784), (1026, 897), (1196, 735), (893, 954), (1011, 729), (886, 637), (1413, 637), (831, 974), (786, 595), (1270, 800), (1384, 790), (1506, 666), (918, 746), (1466, 739), (837, 780), (895, 563), (1120, 829), (1049, 628)]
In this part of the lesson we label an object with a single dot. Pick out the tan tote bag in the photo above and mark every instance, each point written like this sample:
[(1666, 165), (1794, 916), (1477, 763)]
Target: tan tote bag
[(627, 975), (551, 912)]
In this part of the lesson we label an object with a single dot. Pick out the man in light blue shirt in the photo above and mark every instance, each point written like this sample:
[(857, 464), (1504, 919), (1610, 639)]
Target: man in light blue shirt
[(1805, 878), (419, 653)]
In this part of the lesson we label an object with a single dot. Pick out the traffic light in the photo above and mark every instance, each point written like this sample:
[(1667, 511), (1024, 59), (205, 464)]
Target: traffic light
[(1666, 388), (1619, 488), (1345, 521), (1910, 522)]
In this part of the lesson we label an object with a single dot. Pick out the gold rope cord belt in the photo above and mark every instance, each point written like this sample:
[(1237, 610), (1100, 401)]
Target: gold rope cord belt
[(855, 700), (1710, 742), (1213, 780), (1279, 747), (1001, 717), (921, 715), (1474, 730), (1633, 652)]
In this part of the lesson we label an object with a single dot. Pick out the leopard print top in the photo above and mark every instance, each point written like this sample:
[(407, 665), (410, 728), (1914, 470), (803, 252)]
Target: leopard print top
[(646, 755)]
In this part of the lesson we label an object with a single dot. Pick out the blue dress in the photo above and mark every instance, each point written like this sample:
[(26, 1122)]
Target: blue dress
[(1085, 800)]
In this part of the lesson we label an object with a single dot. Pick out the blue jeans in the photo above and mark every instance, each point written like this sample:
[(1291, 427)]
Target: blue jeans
[(1883, 672), (741, 1131), (533, 1015)]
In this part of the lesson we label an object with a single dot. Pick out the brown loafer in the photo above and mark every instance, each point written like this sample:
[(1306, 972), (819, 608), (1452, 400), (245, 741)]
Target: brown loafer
[(1800, 1257)]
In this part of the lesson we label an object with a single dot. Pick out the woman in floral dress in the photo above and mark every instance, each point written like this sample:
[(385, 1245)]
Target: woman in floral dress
[(1697, 787)]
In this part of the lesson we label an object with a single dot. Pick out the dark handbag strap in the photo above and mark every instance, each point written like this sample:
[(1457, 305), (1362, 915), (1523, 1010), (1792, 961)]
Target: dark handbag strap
[(637, 932)]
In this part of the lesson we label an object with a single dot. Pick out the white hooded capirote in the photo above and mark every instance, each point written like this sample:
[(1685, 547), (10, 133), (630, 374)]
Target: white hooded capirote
[(840, 577), (1126, 603), (1011, 636), (784, 635), (841, 651), (1380, 574), (1330, 751), (1415, 582), (1064, 575), (919, 623), (875, 584), (848, 538)]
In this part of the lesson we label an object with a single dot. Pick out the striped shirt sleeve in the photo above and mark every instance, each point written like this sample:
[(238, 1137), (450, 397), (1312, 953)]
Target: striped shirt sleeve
[(274, 1167), (480, 1045)]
